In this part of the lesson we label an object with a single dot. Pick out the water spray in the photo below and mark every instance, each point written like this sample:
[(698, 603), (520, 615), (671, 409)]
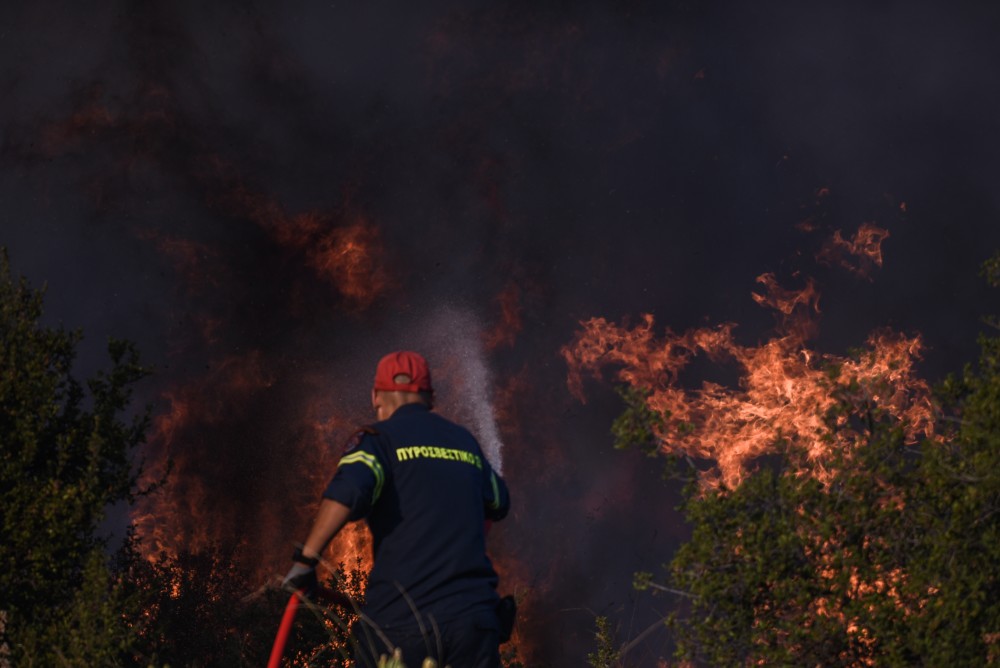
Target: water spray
[(453, 340)]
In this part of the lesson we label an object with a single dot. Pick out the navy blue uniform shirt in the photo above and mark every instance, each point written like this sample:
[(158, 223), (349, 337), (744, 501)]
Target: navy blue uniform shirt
[(426, 489)]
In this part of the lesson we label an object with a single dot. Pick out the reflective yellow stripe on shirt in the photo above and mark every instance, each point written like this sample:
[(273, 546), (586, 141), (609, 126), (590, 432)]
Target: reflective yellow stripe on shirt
[(371, 462)]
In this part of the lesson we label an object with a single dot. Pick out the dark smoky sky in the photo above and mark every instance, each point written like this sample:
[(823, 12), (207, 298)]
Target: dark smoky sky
[(604, 159)]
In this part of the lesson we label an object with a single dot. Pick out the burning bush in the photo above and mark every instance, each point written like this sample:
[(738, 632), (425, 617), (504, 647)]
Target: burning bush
[(871, 539)]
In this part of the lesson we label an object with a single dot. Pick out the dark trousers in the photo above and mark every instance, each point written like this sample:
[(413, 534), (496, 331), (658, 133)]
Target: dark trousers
[(471, 641)]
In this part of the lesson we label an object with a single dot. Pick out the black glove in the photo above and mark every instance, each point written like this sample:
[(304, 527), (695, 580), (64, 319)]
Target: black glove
[(302, 574)]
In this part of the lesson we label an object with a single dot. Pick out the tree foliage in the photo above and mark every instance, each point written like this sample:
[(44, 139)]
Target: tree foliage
[(887, 556), (607, 654), (66, 457), (91, 629)]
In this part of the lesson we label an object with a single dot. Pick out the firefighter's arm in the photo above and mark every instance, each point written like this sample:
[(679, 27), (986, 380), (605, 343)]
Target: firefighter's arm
[(330, 519)]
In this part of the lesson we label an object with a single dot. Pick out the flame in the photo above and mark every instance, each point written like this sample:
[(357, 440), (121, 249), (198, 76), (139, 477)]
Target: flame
[(353, 543), (349, 258), (516, 577), (783, 390), (525, 570), (187, 513), (505, 332), (344, 250), (201, 507), (860, 255), (349, 255)]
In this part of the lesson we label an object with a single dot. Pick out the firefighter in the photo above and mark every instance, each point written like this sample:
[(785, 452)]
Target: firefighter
[(427, 493)]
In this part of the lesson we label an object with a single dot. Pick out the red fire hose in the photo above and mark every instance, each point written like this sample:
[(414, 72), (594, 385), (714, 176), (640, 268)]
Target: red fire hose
[(295, 600), (280, 640), (288, 618)]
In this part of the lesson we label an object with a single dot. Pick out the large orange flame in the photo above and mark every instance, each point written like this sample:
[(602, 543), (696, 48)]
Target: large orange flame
[(784, 394), (784, 387)]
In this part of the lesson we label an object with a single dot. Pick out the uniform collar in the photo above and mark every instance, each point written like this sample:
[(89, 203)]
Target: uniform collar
[(406, 409)]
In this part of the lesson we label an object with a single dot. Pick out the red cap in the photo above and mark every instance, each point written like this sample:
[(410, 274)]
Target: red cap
[(403, 362)]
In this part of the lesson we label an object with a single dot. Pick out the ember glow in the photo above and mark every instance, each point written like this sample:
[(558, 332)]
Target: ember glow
[(783, 391)]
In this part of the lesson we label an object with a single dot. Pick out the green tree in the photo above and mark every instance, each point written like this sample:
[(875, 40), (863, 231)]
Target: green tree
[(607, 654), (887, 555), (66, 457), (90, 629)]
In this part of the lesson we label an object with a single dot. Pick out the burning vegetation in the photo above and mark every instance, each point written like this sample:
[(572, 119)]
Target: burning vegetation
[(842, 512), (839, 512), (783, 392)]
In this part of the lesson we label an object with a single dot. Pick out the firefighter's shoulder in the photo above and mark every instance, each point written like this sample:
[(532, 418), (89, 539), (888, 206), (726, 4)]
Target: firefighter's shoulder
[(358, 435)]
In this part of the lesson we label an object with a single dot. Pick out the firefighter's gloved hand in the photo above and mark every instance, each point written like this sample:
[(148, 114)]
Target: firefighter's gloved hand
[(302, 574)]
